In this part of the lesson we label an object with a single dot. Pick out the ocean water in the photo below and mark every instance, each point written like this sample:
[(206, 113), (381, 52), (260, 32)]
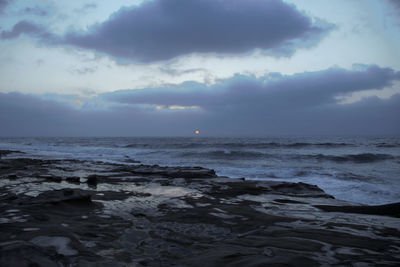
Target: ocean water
[(359, 169)]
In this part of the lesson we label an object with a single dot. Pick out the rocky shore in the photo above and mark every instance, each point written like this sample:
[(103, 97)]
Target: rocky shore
[(82, 213)]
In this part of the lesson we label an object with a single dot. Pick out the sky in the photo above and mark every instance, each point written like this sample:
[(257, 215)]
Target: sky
[(223, 67)]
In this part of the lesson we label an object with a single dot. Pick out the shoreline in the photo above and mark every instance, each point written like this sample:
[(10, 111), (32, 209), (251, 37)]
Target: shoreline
[(91, 213), (360, 171)]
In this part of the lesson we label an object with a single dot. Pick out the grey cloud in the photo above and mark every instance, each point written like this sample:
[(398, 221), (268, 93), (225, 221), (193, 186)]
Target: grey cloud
[(39, 62), (395, 4), (25, 27), (22, 115), (35, 11), (394, 10), (368, 117), (164, 29), (86, 8), (176, 72), (83, 70), (90, 6), (4, 4), (29, 115), (161, 30), (302, 104), (300, 90)]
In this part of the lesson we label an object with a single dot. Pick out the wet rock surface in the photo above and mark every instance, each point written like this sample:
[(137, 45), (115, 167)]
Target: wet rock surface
[(80, 213)]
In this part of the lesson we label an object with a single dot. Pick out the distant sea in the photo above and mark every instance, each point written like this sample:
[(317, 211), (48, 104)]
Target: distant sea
[(363, 169)]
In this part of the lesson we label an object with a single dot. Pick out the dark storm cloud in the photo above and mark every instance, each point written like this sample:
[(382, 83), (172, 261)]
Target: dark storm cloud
[(161, 30), (29, 115), (298, 104), (164, 29), (25, 27)]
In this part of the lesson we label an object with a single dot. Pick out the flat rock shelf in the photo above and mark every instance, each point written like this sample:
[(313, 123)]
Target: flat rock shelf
[(83, 213)]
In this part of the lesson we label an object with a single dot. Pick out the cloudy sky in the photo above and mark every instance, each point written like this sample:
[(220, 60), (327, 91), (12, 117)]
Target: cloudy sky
[(224, 67)]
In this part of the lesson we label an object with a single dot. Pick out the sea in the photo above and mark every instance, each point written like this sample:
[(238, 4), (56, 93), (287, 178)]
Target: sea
[(358, 169)]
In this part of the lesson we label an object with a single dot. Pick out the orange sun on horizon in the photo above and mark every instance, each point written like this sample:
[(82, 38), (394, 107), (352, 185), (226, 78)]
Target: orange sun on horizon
[(197, 132)]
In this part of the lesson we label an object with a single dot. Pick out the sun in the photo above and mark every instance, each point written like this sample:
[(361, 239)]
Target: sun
[(197, 132)]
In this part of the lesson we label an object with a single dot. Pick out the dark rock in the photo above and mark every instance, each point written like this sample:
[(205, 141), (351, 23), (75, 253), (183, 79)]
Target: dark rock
[(8, 197), (41, 217), (192, 173), (22, 253), (129, 160), (198, 219), (12, 177), (67, 195), (73, 179), (56, 179), (288, 201), (7, 152), (173, 172), (392, 209), (138, 214), (299, 189), (50, 178), (92, 179)]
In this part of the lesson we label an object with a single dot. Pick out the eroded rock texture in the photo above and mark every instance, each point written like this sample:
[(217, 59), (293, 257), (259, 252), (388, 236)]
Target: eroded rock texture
[(77, 213)]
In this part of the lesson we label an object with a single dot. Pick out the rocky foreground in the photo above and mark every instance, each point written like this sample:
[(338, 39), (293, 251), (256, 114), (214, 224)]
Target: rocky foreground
[(80, 213)]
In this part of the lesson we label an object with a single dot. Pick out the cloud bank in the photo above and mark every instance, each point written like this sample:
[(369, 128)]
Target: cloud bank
[(302, 104), (164, 29), (299, 90)]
